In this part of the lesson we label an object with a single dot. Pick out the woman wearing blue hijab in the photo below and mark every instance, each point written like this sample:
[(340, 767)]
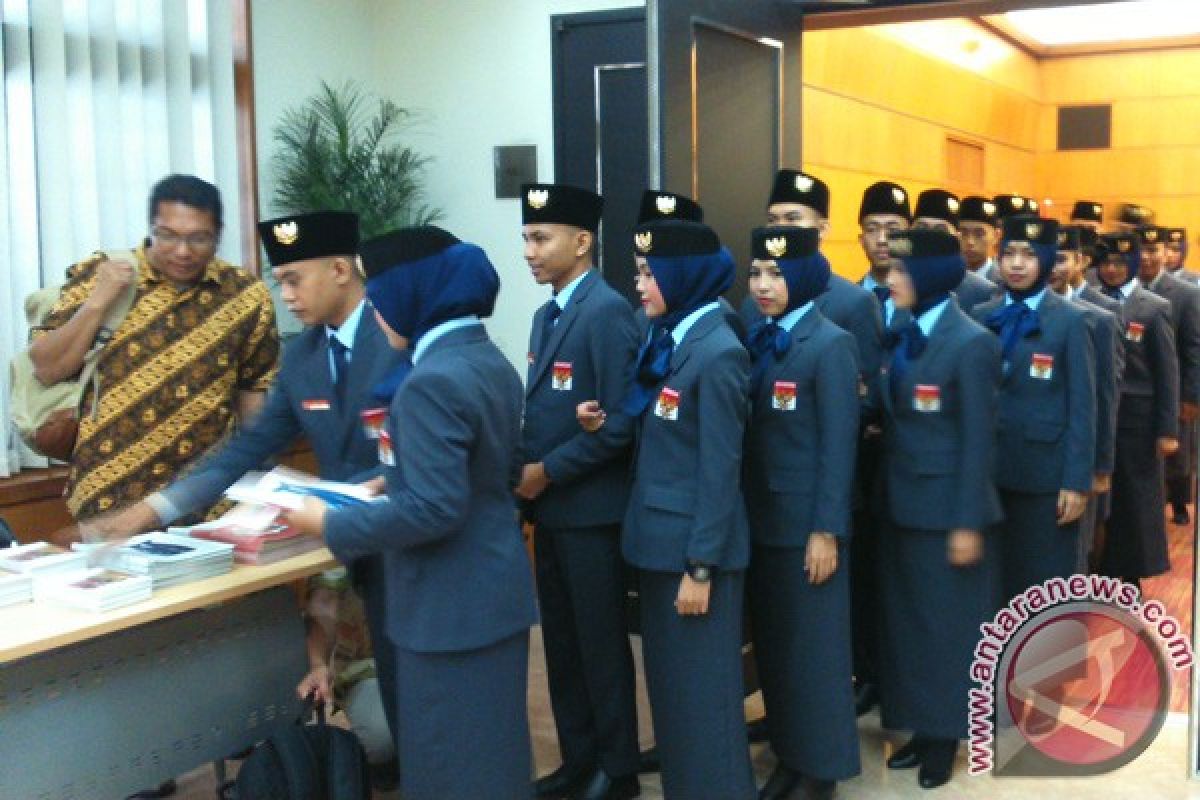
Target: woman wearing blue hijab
[(800, 453), (1135, 544), (459, 586), (1046, 427), (685, 530), (938, 393)]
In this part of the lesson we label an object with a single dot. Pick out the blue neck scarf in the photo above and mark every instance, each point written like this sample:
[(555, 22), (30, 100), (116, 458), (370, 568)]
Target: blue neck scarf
[(933, 278), (414, 297), (686, 284), (806, 278)]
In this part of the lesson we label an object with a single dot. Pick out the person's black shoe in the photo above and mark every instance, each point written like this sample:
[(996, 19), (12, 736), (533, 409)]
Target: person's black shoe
[(937, 763), (164, 789), (648, 761), (561, 783), (602, 786), (756, 731), (866, 697), (819, 790), (909, 755), (783, 781)]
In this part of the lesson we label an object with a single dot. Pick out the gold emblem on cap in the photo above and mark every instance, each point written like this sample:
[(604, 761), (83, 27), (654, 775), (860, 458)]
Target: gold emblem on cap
[(665, 204), (776, 247), (989, 208), (1097, 209), (1018, 202), (952, 204), (286, 233), (643, 241), (1176, 236), (803, 183), (1151, 235), (1123, 245), (1062, 238), (900, 247), (537, 198), (1033, 229), (898, 195)]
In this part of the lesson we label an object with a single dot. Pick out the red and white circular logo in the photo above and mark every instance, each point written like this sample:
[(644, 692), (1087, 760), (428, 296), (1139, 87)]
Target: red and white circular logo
[(1087, 689)]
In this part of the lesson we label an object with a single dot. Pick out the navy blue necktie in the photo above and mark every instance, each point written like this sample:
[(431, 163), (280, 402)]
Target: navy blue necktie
[(341, 366), (882, 293), (553, 312)]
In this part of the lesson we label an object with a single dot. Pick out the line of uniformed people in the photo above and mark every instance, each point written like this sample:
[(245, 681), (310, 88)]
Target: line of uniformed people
[(749, 464)]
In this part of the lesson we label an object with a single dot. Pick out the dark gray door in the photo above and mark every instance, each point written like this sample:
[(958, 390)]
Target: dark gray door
[(724, 108), (600, 123)]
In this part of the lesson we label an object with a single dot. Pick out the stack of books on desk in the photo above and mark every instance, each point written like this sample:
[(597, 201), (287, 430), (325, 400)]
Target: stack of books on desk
[(287, 488), (259, 534), (96, 589), (15, 587), (169, 559), (40, 559)]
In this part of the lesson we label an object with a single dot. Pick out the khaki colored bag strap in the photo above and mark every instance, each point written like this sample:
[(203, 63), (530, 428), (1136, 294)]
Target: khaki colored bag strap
[(112, 320)]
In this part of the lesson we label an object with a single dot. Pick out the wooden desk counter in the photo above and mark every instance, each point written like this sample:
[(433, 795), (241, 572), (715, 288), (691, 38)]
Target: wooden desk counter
[(31, 628)]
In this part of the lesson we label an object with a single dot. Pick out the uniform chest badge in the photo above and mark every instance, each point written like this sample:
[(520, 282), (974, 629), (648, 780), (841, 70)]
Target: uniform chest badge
[(561, 378), (387, 456), (667, 406), (1042, 366), (1134, 331), (373, 419), (316, 404), (783, 398), (927, 398)]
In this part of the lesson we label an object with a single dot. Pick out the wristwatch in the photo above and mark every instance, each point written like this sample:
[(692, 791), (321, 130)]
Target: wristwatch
[(700, 573)]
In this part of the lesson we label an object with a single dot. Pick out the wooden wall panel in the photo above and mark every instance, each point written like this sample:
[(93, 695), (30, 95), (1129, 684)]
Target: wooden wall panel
[(1155, 153), (877, 108)]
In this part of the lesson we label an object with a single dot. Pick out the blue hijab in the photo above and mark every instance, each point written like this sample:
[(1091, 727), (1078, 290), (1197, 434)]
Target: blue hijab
[(934, 263), (414, 296), (691, 269), (806, 273), (417, 296)]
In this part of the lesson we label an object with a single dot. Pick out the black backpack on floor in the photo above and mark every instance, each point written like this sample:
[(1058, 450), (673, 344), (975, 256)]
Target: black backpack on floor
[(304, 762)]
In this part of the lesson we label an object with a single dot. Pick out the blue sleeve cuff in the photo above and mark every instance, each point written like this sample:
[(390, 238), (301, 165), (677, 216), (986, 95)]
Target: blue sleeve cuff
[(164, 509)]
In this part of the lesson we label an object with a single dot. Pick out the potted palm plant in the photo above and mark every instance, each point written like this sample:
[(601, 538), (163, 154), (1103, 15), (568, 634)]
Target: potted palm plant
[(340, 149)]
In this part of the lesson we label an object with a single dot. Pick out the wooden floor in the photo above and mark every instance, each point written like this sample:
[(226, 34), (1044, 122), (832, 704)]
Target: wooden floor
[(1175, 590), (1160, 773)]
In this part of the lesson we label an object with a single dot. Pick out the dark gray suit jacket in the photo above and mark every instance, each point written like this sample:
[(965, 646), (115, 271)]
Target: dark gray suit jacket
[(1184, 298), (595, 342), (938, 463), (1104, 323), (302, 400), (1046, 426), (1151, 364), (801, 445), (457, 573), (974, 291), (686, 502)]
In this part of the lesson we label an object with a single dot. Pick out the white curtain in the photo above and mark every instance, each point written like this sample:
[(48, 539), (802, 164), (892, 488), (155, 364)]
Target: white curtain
[(101, 99)]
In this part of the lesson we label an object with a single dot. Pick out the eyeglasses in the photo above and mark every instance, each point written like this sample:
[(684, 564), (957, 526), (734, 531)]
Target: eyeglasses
[(194, 241)]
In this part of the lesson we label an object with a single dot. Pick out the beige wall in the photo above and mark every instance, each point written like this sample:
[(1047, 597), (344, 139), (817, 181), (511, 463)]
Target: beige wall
[(879, 104), (1155, 154)]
